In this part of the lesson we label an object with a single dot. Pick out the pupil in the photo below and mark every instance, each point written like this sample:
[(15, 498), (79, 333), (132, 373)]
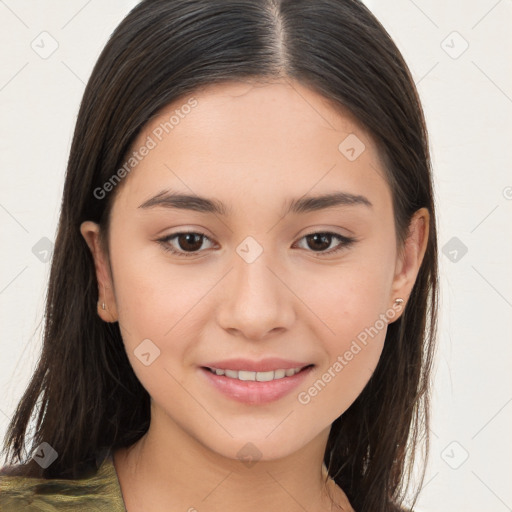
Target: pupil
[(322, 236), (189, 241)]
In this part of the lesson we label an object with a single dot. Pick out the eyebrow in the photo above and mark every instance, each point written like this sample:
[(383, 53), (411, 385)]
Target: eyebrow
[(301, 205)]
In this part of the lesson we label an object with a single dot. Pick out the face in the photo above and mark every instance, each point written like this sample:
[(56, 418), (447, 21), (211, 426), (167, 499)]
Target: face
[(262, 277)]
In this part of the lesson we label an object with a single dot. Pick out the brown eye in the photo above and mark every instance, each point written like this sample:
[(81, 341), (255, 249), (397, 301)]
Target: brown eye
[(320, 242), (189, 241), (184, 243)]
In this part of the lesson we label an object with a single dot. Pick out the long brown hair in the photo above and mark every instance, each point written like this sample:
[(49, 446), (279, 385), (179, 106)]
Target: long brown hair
[(84, 393)]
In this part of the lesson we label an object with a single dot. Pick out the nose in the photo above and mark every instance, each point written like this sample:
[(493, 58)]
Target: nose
[(256, 301)]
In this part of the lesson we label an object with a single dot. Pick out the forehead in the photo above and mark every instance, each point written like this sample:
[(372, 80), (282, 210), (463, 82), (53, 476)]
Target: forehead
[(262, 108), (255, 138)]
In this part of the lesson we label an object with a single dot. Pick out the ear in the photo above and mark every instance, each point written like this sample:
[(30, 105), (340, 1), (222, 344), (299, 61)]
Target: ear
[(107, 309), (410, 257)]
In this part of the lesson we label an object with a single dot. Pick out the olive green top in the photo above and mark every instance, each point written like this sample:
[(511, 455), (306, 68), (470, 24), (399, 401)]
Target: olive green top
[(100, 492)]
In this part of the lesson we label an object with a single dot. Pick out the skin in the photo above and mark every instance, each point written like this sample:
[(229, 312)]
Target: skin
[(253, 147)]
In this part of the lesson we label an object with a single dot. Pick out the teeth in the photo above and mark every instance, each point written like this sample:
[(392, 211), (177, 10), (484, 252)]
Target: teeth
[(279, 374), (257, 376)]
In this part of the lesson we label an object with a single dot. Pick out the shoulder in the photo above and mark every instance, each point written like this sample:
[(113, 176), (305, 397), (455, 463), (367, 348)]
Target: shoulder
[(100, 492)]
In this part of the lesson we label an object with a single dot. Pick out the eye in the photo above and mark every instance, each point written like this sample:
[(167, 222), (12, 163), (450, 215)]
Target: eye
[(189, 243), (320, 241)]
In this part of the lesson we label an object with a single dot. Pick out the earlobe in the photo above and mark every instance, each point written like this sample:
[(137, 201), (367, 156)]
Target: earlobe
[(411, 256), (107, 309)]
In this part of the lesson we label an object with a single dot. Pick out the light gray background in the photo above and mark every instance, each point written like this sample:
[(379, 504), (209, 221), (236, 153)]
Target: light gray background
[(467, 96)]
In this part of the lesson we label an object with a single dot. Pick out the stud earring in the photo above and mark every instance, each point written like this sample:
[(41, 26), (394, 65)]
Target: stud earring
[(399, 301), (103, 306)]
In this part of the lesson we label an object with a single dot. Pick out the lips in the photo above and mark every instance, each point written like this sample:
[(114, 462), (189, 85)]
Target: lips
[(255, 392)]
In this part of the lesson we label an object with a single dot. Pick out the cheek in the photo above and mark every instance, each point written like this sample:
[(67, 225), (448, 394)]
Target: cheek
[(162, 303), (352, 305), (158, 327), (153, 297), (345, 300), (352, 347)]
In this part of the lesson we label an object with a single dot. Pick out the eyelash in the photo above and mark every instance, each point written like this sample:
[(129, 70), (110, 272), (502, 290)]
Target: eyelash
[(346, 242)]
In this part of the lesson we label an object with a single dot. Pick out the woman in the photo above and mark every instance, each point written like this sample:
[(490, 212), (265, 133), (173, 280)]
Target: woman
[(243, 297)]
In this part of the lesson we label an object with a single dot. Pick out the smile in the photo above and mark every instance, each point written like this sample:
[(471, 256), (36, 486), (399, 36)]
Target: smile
[(255, 388), (257, 376)]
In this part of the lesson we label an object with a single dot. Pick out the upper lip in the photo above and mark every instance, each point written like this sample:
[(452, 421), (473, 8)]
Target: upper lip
[(265, 365)]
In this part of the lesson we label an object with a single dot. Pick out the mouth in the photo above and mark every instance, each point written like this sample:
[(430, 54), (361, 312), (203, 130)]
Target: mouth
[(247, 375), (255, 387)]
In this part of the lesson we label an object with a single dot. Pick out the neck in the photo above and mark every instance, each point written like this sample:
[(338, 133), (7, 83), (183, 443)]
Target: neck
[(171, 470)]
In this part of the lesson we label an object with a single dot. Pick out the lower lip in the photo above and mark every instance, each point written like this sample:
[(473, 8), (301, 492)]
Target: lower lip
[(254, 392)]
